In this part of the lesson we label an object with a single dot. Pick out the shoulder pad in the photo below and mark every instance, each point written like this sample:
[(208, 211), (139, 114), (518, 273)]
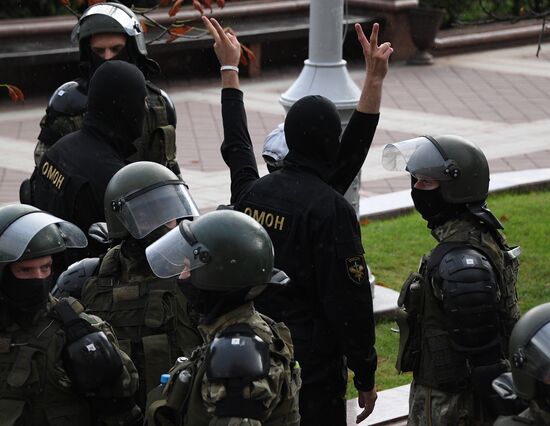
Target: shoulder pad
[(69, 98), (237, 353), (170, 109), (466, 265), (71, 281)]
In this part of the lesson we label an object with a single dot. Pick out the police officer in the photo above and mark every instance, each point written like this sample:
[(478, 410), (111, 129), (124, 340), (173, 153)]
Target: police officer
[(460, 307), (72, 176), (108, 31), (245, 373), (530, 359), (57, 364), (328, 305), (150, 316)]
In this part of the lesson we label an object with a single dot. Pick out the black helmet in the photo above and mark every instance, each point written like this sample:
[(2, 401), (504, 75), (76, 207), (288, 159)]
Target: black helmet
[(142, 196), (27, 232), (530, 351), (460, 166), (111, 17), (224, 250)]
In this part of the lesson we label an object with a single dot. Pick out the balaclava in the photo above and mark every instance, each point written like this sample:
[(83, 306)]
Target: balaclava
[(25, 295), (116, 104), (312, 131), (431, 205)]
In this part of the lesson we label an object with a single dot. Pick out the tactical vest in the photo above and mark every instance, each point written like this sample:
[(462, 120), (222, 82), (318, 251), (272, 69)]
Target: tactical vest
[(425, 345), (183, 400), (147, 313), (33, 390)]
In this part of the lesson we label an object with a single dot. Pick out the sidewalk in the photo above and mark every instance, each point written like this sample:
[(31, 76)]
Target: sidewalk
[(499, 99)]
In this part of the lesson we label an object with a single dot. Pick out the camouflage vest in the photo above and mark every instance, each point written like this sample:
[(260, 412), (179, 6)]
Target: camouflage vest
[(157, 144), (33, 389), (183, 400), (148, 314), (425, 345)]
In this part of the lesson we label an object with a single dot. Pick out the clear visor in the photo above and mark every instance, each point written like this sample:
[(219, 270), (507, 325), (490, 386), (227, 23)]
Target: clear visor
[(537, 355), (418, 156), (143, 212), (176, 252), (19, 234), (131, 26)]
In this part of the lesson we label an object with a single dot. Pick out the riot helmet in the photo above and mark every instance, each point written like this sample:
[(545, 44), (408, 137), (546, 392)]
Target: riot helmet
[(28, 233), (530, 353), (112, 18), (222, 250), (143, 196), (457, 164)]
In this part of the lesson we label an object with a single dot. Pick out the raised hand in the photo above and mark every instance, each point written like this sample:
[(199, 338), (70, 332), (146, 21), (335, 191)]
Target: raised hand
[(226, 46), (376, 57)]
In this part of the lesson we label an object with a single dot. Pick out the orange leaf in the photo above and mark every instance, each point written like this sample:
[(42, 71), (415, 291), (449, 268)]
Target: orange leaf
[(164, 2), (15, 93), (176, 32), (198, 6), (144, 26), (65, 2), (175, 7), (249, 53), (92, 2), (243, 60), (504, 218), (221, 3), (208, 4)]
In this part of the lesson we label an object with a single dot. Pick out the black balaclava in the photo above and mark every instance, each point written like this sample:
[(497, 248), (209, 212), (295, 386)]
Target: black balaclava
[(312, 132), (431, 205), (25, 295), (211, 305), (116, 104)]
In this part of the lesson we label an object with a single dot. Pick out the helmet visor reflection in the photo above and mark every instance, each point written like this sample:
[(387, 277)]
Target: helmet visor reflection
[(418, 156), (143, 212), (176, 252), (537, 355), (131, 26), (19, 234)]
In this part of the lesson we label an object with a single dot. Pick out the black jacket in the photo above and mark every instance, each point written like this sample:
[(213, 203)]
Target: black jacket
[(317, 241)]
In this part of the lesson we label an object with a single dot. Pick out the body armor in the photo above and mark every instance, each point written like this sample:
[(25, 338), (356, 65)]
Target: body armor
[(426, 346), (149, 314)]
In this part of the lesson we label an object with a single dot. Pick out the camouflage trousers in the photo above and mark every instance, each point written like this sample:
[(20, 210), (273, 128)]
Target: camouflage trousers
[(433, 407)]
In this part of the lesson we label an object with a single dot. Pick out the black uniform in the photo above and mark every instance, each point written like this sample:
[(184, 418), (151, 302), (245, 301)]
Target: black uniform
[(317, 242), (71, 178)]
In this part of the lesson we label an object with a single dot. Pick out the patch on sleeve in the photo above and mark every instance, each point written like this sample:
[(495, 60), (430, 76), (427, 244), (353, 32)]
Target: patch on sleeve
[(356, 268)]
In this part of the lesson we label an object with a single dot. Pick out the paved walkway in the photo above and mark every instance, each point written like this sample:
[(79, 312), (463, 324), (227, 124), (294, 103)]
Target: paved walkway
[(498, 99)]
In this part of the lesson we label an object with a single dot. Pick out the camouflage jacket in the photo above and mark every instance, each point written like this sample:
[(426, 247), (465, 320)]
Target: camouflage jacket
[(35, 388), (276, 394)]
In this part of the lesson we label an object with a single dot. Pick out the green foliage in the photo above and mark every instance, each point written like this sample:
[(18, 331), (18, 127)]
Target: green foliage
[(394, 247)]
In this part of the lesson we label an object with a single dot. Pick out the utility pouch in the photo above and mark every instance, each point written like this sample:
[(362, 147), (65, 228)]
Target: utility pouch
[(162, 145), (410, 300)]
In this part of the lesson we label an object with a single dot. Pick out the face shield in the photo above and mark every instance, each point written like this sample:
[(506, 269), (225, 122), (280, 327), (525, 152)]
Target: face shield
[(534, 358), (19, 233), (124, 18), (422, 157), (177, 251), (149, 208)]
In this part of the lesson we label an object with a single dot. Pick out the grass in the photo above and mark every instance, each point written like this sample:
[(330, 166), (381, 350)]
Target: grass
[(394, 246)]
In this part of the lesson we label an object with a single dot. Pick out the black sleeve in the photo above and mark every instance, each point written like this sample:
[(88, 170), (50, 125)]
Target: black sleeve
[(88, 209), (236, 148), (354, 147), (345, 293)]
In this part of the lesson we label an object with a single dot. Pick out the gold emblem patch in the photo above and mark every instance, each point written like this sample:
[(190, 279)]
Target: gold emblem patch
[(357, 268)]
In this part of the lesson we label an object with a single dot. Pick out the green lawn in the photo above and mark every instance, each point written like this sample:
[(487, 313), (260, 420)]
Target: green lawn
[(393, 248)]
